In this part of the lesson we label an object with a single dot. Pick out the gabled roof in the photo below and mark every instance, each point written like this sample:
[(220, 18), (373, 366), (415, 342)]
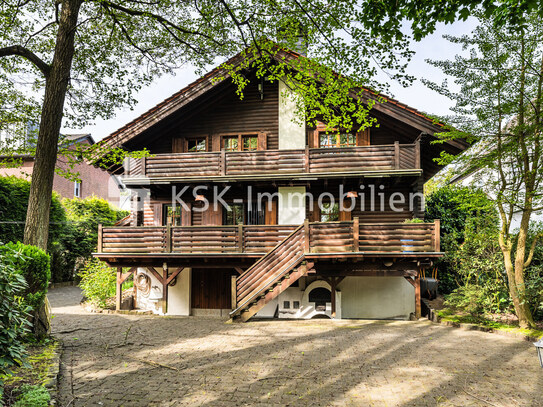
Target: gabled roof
[(218, 75)]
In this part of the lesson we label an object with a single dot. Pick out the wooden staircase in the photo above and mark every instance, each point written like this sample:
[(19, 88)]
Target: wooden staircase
[(271, 275)]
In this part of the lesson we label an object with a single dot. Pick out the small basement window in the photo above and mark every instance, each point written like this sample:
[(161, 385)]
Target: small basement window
[(296, 305), (286, 304)]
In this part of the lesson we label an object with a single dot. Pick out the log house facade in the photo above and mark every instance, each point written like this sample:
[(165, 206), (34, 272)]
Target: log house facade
[(287, 258)]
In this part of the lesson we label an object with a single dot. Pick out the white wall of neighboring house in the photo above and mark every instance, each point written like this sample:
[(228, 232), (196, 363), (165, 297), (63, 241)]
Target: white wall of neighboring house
[(291, 133)]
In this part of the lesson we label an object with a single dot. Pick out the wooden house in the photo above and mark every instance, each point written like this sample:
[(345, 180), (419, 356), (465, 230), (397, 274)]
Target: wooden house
[(293, 257)]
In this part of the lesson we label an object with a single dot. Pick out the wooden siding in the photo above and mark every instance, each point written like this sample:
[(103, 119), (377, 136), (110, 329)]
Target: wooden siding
[(224, 113)]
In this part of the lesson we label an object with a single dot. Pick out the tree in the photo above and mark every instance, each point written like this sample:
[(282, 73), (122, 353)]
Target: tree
[(75, 60), (498, 104)]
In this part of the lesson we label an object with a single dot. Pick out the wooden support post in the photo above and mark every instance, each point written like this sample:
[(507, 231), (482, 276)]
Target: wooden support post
[(307, 246), (397, 155), (119, 290), (223, 162), (165, 288), (417, 154), (306, 160), (234, 300), (240, 237), (437, 235), (333, 297), (417, 297), (100, 239), (168, 246), (356, 234)]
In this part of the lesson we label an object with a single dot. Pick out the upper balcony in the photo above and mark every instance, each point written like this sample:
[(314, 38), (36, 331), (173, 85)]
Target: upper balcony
[(303, 164)]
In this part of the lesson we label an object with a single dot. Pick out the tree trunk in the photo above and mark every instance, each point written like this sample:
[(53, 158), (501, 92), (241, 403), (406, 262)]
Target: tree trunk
[(56, 84), (41, 188)]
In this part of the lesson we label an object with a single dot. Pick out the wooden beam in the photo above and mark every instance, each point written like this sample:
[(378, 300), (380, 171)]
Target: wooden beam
[(239, 270), (155, 273), (174, 274), (417, 297), (124, 276), (333, 297), (100, 235), (165, 288), (119, 289)]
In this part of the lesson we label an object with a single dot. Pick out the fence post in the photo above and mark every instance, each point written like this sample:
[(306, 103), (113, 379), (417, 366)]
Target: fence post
[(240, 237), (307, 246), (223, 162), (356, 232), (397, 155), (168, 248), (100, 238), (144, 166), (417, 155), (119, 289), (306, 160)]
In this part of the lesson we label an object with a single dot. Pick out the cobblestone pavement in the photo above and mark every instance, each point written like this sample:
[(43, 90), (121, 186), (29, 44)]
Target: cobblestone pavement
[(125, 360)]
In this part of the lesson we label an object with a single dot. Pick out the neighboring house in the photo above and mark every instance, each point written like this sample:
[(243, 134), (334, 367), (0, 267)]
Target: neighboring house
[(93, 181), (291, 257)]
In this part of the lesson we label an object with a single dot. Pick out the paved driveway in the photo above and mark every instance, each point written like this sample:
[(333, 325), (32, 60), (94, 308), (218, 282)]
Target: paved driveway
[(122, 360)]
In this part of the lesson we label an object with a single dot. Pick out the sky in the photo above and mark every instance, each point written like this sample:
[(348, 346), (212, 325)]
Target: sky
[(417, 95)]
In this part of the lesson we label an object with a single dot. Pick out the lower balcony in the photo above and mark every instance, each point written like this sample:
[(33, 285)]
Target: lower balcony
[(322, 240)]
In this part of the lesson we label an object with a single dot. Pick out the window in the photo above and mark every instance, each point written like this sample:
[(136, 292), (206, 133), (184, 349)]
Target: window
[(231, 143), (196, 144), (234, 216), (77, 189), (329, 212), (296, 305), (241, 142), (250, 143), (286, 304), (170, 215), (335, 140)]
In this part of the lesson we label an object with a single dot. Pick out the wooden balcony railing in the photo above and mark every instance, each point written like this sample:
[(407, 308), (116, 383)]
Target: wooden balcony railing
[(330, 237), (267, 162)]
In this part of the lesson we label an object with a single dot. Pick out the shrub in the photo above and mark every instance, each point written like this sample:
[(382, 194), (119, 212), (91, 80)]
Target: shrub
[(97, 281), (33, 396), (14, 194), (14, 324), (33, 264), (467, 298), (457, 207)]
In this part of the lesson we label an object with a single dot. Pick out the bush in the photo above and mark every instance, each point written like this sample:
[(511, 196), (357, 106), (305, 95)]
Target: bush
[(468, 298), (457, 207), (98, 281), (14, 194), (33, 264), (84, 216), (14, 324), (33, 396)]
